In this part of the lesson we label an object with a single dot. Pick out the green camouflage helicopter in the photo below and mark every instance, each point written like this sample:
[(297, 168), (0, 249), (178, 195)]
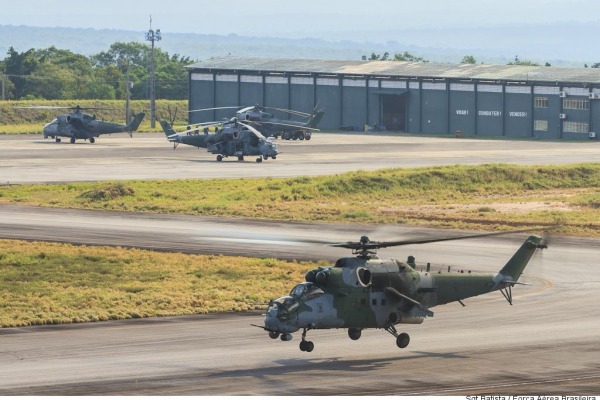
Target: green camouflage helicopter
[(77, 125), (232, 139), (366, 292)]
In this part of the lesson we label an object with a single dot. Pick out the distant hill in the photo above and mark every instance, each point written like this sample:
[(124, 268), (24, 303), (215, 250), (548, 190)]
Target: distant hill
[(565, 44)]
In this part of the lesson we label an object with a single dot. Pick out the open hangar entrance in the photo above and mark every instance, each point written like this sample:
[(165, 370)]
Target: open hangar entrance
[(394, 109)]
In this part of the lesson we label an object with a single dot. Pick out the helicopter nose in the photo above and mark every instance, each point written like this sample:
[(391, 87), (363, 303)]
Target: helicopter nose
[(272, 323)]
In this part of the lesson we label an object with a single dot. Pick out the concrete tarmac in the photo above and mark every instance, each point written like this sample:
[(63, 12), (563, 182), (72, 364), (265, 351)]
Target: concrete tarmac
[(30, 158), (547, 342)]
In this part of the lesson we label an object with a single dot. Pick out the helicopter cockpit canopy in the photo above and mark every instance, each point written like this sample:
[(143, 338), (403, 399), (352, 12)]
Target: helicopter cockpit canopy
[(306, 291), (282, 307)]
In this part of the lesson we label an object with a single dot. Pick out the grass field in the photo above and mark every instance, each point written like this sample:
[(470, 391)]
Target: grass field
[(491, 197), (48, 283)]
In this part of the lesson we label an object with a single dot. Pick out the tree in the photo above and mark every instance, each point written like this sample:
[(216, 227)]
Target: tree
[(54, 73), (517, 61), (377, 57), (468, 60), (16, 66), (133, 58), (406, 56)]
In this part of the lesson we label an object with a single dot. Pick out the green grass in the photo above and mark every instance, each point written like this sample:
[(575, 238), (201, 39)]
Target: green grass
[(495, 197), (49, 283)]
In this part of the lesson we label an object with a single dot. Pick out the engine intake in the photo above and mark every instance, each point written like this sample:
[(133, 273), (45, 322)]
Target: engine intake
[(364, 276)]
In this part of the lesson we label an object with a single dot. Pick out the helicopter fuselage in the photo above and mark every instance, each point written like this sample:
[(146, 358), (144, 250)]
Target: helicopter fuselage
[(365, 292), (232, 140), (85, 126)]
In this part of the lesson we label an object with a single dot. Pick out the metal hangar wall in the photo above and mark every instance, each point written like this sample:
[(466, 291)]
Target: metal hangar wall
[(478, 100)]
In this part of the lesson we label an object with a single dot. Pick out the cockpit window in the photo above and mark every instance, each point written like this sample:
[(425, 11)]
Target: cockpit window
[(282, 307), (273, 309), (305, 291)]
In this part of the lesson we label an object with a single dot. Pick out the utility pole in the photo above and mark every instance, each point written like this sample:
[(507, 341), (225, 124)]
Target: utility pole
[(152, 36), (127, 93), (3, 95)]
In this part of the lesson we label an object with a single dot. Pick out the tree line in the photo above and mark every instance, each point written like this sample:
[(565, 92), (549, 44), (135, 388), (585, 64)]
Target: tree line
[(57, 74), (468, 59)]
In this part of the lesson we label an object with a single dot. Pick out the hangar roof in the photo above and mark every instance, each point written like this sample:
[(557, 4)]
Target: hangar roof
[(401, 69)]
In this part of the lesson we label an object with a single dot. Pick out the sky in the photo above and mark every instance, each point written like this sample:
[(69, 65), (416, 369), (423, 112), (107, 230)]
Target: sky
[(354, 20)]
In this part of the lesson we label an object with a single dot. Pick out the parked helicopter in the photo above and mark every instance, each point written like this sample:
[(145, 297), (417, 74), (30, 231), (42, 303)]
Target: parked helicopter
[(233, 139), (77, 125), (366, 292), (271, 126)]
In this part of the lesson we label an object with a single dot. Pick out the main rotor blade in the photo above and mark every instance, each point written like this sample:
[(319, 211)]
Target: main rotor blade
[(299, 113), (67, 108), (45, 107), (253, 130), (380, 245), (199, 124), (213, 108)]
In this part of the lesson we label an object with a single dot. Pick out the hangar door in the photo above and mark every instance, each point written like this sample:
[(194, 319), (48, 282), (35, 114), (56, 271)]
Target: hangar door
[(393, 111)]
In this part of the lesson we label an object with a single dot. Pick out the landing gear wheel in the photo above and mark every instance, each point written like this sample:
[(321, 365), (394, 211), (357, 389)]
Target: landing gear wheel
[(259, 159), (273, 335), (240, 158), (72, 140), (307, 346), (57, 140), (354, 333), (286, 337), (307, 135), (92, 140), (274, 157), (304, 344), (266, 157), (402, 340), (219, 158), (286, 136)]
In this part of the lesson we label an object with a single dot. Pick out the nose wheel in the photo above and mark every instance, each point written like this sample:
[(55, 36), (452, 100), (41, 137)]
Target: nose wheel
[(402, 339), (305, 345)]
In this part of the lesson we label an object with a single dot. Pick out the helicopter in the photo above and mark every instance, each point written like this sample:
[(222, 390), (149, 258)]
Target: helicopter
[(232, 139), (77, 125), (365, 291), (274, 127)]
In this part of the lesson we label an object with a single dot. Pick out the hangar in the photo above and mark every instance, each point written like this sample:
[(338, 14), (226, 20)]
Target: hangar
[(475, 99)]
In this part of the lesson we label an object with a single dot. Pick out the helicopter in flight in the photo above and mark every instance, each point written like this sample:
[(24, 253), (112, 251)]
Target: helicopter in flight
[(275, 127), (78, 125), (232, 139), (367, 292)]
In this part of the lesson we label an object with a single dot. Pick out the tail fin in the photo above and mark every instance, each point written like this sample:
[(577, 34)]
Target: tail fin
[(315, 118), (515, 266), (167, 128), (135, 122)]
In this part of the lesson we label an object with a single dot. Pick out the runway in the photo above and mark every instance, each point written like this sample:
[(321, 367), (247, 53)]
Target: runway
[(547, 342), (30, 158)]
